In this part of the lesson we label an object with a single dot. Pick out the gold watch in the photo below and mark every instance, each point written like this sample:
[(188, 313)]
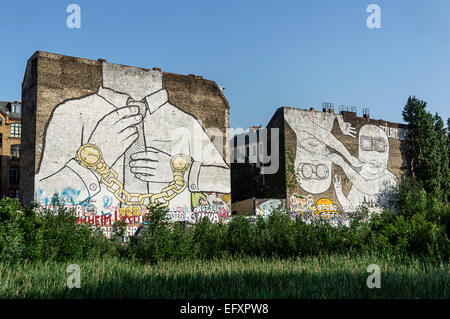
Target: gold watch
[(89, 155), (180, 164)]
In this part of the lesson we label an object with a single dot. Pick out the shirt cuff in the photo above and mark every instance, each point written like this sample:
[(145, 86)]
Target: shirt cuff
[(87, 176), (194, 174)]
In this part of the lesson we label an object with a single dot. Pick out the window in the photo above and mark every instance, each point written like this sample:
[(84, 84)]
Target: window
[(14, 193), (1, 121), (14, 175), (15, 108), (15, 151), (16, 130), (1, 140)]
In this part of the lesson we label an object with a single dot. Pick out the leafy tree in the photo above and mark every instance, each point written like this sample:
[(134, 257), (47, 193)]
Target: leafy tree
[(427, 148)]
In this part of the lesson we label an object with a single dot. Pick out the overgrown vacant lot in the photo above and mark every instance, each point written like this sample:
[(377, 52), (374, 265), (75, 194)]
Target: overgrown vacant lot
[(315, 277)]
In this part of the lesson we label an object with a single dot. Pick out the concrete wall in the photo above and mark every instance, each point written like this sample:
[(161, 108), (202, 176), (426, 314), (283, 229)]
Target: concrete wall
[(342, 161), (111, 139)]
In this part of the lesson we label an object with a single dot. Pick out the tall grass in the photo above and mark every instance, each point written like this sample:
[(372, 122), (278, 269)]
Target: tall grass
[(330, 276)]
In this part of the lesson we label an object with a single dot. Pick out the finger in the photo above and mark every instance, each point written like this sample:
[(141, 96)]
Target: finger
[(352, 134), (128, 121), (143, 170), (352, 130), (142, 163), (126, 111), (130, 139), (144, 155), (128, 131)]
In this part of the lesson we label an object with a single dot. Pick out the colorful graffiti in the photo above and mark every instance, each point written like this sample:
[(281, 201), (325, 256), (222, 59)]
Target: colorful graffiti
[(266, 207), (305, 208), (324, 209), (214, 206)]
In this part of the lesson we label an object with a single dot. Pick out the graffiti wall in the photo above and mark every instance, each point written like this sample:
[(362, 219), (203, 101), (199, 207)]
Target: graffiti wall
[(111, 153), (265, 207), (342, 162)]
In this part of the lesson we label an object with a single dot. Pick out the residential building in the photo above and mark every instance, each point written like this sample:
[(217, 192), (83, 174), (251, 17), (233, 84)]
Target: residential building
[(78, 109), (10, 135)]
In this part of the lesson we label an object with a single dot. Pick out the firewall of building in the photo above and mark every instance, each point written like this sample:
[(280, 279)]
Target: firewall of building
[(111, 139), (327, 162)]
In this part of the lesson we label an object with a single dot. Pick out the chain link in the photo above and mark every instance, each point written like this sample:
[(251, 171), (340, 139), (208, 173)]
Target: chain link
[(109, 178), (161, 199)]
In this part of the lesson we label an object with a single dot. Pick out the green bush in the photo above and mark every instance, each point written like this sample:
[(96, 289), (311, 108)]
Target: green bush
[(49, 235), (416, 226), (278, 235), (209, 239), (242, 237)]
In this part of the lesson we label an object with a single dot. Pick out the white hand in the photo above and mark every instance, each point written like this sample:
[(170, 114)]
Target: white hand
[(348, 130), (337, 183), (151, 166), (115, 132)]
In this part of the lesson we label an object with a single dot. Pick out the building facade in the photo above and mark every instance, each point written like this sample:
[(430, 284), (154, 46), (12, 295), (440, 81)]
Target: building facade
[(331, 163), (10, 136), (246, 152), (111, 139)]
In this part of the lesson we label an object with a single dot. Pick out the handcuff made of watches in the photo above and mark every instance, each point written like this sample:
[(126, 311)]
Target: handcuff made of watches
[(90, 156)]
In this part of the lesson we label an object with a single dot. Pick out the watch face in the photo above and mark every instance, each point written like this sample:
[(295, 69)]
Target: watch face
[(179, 162), (90, 155)]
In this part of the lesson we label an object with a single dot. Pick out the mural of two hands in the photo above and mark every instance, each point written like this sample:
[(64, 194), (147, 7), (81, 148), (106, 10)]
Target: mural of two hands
[(116, 132)]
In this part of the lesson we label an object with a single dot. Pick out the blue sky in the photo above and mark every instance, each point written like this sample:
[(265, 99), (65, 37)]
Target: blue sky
[(266, 53)]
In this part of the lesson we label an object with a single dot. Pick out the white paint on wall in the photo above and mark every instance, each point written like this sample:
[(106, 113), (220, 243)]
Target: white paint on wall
[(313, 133), (372, 185), (317, 149), (138, 132)]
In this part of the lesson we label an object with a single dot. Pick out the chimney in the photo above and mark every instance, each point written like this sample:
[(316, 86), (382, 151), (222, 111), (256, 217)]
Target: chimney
[(366, 113)]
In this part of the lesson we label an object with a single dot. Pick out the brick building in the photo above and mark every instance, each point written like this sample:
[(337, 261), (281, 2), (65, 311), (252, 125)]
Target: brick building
[(328, 161), (10, 134), (155, 136)]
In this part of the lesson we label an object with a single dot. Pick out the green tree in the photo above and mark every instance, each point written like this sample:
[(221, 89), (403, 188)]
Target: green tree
[(427, 148)]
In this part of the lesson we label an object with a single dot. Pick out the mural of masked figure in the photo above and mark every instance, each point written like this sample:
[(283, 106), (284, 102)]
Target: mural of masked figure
[(127, 143), (313, 133), (372, 185)]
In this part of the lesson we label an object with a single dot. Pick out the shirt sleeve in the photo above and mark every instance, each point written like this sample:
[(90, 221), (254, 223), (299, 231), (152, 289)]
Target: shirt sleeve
[(208, 172), (59, 171)]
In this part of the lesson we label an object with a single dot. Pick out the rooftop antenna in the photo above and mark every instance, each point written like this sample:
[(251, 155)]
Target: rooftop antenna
[(366, 113), (347, 108), (328, 107)]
